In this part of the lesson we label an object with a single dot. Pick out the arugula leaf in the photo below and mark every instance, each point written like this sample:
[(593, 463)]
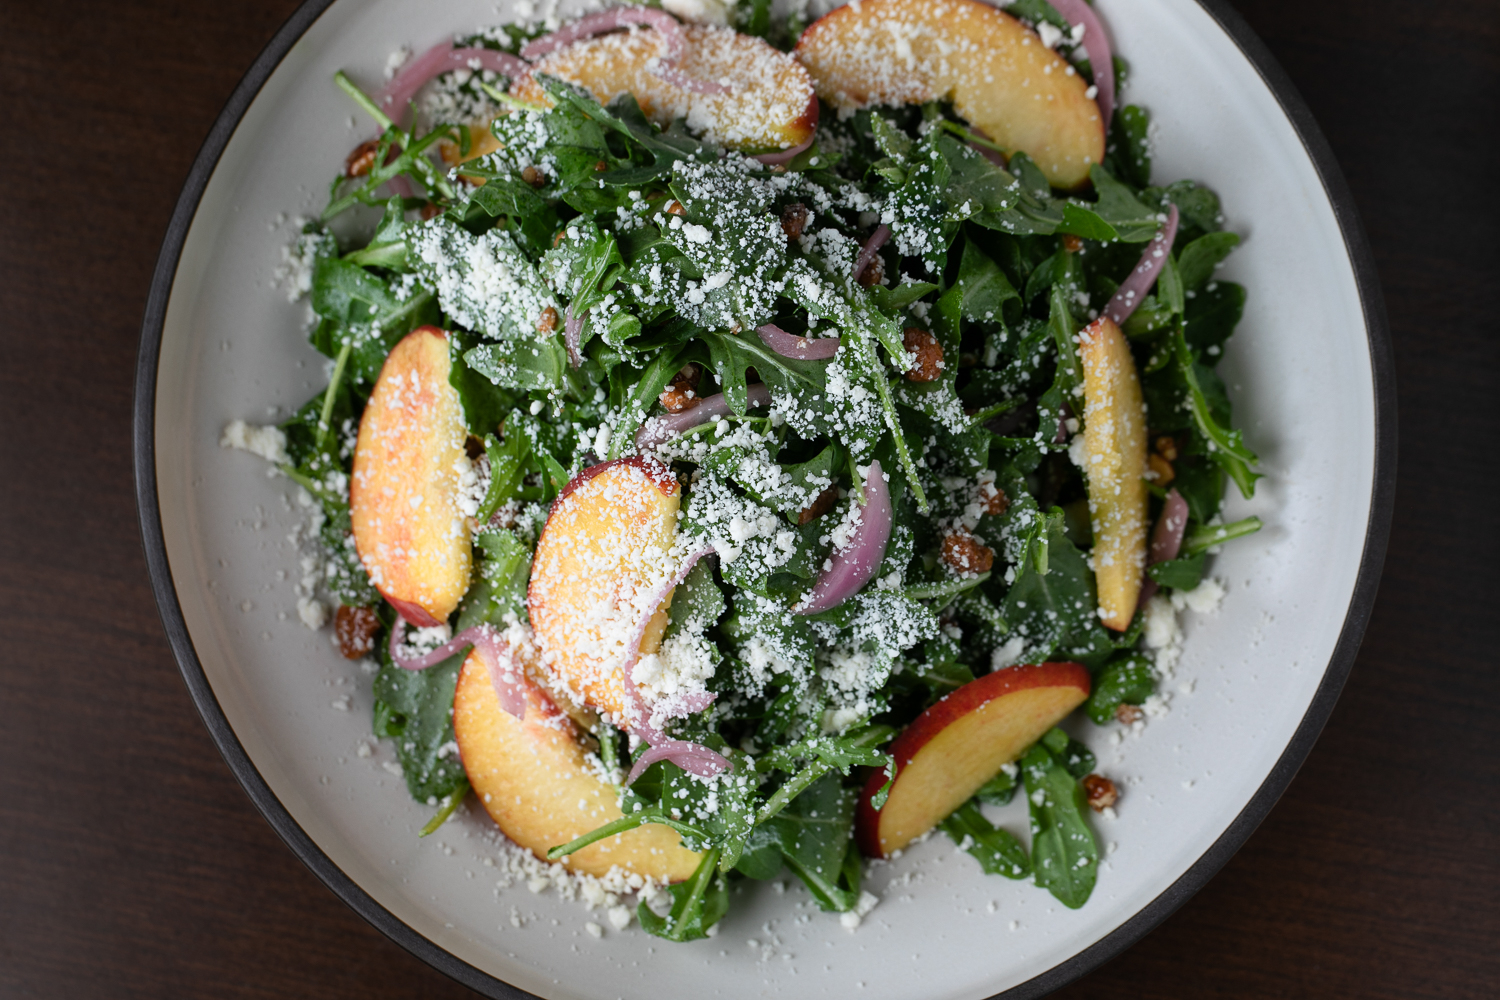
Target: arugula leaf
[(1129, 152), (1127, 681), (997, 851), (541, 366), (697, 904), (1180, 574), (815, 833), (414, 708), (1064, 855), (1212, 314), (1198, 259), (500, 578)]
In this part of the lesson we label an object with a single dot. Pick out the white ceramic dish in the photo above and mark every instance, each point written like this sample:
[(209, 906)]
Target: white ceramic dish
[(1309, 373)]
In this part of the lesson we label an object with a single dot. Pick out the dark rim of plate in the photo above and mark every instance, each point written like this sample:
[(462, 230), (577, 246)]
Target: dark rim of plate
[(1112, 944)]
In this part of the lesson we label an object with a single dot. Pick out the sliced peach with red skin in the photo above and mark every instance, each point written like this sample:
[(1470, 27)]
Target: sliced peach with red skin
[(998, 74), (1114, 418), (403, 495), (770, 105), (598, 567), (961, 742), (534, 780)]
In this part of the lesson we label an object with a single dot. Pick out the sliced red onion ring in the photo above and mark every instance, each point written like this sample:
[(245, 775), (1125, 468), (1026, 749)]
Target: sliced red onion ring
[(1096, 44), (691, 757), (789, 345), (442, 57), (1166, 539), (664, 67), (695, 758), (508, 676), (573, 334), (867, 252), (1132, 291), (786, 155), (656, 431), (852, 566)]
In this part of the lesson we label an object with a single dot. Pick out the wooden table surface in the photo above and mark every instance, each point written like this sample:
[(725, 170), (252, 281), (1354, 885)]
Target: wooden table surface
[(131, 863)]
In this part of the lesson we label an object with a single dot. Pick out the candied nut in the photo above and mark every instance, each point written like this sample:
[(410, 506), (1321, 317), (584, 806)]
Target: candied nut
[(533, 176), (1100, 791), (1129, 714), (600, 167), (681, 393), (355, 629), (820, 506), (794, 220), (431, 210), (992, 500), (1071, 243), (1162, 468), (362, 160), (1166, 447), (873, 272), (674, 207), (966, 554), (547, 322), (926, 352)]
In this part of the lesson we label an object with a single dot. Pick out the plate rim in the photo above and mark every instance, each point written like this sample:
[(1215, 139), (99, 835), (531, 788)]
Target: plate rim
[(1140, 923)]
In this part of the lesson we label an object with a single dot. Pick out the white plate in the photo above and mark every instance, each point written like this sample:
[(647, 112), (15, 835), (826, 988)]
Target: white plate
[(1309, 374)]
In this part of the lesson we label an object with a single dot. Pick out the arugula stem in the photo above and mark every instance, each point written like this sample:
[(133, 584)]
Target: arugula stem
[(332, 393), (450, 803), (1206, 536), (795, 786), (363, 100), (977, 140), (497, 94), (990, 412), (629, 822), (952, 588)]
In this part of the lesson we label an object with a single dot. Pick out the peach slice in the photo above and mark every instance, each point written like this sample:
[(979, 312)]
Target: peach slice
[(770, 105), (597, 573), (403, 496), (997, 72), (1115, 445), (534, 781), (960, 743)]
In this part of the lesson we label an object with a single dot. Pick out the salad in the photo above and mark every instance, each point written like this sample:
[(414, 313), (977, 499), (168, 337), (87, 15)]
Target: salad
[(744, 446)]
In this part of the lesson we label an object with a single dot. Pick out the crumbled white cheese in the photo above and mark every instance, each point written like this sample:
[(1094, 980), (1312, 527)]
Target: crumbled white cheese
[(268, 442)]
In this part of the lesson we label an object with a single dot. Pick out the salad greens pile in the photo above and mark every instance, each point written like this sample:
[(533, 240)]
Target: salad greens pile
[(669, 253)]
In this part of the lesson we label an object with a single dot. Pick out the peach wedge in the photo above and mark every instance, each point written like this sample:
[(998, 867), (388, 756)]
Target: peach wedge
[(769, 107), (408, 529), (997, 72), (961, 742), (597, 573), (534, 781), (1115, 445)]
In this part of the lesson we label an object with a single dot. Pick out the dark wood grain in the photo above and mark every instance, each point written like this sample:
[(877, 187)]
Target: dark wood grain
[(131, 864)]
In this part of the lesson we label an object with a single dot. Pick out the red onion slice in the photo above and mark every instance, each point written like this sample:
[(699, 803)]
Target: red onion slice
[(790, 345), (664, 67), (1096, 44), (507, 676), (695, 758), (573, 334), (867, 252), (851, 567), (691, 757), (1166, 539), (786, 155), (441, 58), (656, 431), (1132, 291)]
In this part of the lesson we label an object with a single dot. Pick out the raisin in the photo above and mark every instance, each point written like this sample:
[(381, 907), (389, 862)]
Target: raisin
[(820, 506)]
